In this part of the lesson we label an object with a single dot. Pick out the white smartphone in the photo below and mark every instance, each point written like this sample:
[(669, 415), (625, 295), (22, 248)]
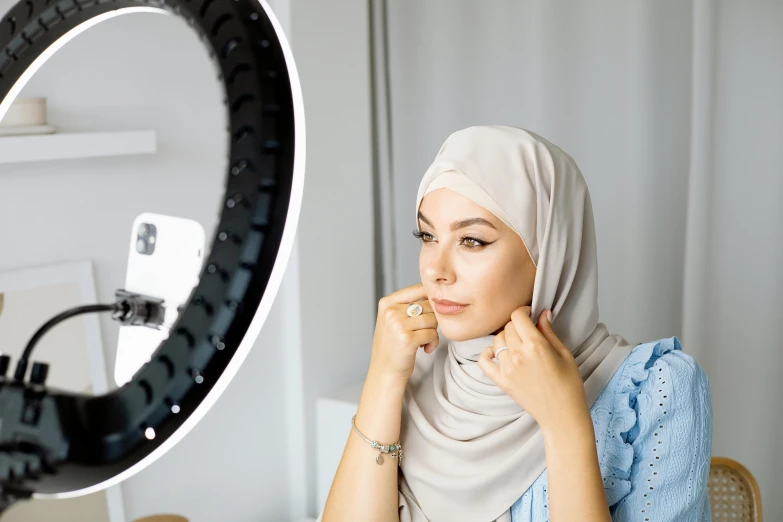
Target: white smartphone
[(165, 260)]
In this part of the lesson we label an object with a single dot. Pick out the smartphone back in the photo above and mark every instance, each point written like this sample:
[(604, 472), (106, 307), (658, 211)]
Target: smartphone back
[(165, 260)]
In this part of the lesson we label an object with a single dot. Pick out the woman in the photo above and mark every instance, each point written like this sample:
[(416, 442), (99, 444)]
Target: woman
[(526, 408)]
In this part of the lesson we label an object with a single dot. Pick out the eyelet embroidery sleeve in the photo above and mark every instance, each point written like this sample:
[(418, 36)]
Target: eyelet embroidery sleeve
[(669, 441)]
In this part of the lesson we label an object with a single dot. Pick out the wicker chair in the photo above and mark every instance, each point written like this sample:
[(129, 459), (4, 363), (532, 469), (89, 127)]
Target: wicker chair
[(734, 493)]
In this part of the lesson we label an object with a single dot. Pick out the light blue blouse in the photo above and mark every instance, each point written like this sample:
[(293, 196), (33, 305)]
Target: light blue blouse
[(653, 428)]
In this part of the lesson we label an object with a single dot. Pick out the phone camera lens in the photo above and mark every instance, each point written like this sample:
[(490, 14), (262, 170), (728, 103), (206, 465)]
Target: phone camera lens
[(144, 230), (141, 246)]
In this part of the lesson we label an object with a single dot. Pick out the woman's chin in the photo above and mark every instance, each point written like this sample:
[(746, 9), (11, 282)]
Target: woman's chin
[(454, 331)]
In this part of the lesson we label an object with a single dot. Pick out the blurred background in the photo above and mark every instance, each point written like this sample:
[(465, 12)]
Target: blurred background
[(672, 110)]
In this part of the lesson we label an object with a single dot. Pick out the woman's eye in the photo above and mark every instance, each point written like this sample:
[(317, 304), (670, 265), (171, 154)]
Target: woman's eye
[(421, 236), (475, 242), (470, 243)]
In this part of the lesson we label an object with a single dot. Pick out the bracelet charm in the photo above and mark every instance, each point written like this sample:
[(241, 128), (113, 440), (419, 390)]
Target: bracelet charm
[(394, 449)]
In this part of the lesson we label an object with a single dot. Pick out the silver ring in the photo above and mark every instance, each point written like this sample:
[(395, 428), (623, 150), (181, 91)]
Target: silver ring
[(500, 350), (414, 309)]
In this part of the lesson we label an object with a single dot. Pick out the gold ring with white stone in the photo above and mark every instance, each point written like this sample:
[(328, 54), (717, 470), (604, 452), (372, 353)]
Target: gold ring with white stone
[(414, 309)]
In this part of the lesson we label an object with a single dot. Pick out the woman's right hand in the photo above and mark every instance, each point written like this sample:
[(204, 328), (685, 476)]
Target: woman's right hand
[(398, 337)]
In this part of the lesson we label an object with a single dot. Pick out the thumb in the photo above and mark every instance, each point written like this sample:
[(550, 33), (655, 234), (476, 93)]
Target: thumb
[(544, 326), (489, 368)]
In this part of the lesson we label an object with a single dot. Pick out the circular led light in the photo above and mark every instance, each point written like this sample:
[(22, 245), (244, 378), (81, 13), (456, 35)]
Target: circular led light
[(95, 441)]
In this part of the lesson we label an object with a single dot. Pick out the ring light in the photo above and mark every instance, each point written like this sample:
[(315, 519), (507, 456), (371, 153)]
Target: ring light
[(57, 444)]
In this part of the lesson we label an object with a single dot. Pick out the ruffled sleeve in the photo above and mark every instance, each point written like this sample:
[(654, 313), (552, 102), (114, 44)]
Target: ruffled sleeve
[(659, 441)]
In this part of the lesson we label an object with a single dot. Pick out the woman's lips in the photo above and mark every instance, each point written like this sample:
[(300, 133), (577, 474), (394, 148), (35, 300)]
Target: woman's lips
[(448, 307)]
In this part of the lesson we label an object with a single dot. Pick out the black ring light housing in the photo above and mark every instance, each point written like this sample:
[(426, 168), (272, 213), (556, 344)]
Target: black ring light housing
[(56, 444)]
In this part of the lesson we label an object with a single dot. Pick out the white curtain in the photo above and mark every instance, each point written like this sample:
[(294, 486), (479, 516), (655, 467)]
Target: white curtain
[(672, 108)]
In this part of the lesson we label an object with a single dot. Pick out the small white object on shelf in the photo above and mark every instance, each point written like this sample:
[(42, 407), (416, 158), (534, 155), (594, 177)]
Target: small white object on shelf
[(73, 145), (25, 112)]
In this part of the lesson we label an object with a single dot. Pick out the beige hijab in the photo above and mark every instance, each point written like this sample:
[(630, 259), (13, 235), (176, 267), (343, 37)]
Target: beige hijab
[(470, 450)]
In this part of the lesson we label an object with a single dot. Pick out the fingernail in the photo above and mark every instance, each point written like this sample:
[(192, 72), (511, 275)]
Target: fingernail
[(549, 315)]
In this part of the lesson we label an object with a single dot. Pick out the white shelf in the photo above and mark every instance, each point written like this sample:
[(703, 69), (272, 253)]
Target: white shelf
[(73, 145)]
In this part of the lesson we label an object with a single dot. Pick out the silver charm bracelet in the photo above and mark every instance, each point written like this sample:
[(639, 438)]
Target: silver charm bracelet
[(394, 449)]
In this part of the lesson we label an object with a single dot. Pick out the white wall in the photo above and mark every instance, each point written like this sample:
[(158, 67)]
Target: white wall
[(137, 72), (336, 231)]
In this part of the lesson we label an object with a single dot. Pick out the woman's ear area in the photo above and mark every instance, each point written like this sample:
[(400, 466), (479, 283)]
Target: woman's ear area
[(529, 257)]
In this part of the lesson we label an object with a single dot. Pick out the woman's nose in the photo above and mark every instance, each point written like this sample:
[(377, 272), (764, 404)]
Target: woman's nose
[(438, 267)]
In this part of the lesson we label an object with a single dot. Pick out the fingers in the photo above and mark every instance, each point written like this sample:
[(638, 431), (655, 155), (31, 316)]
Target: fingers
[(407, 295), (498, 343), (396, 310), (432, 345), (524, 324), (420, 322), (544, 325), (425, 337), (426, 306), (423, 327), (489, 368), (511, 336), (425, 321)]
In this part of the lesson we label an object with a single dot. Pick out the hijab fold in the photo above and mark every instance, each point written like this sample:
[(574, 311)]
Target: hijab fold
[(470, 450)]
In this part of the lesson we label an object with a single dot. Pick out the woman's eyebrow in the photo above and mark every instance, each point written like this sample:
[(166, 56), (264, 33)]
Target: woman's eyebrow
[(461, 224)]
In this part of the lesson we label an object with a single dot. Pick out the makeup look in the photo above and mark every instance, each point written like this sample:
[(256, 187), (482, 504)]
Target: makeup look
[(474, 268)]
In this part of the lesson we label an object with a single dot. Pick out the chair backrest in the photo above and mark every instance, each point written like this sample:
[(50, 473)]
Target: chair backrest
[(733, 491), (162, 518)]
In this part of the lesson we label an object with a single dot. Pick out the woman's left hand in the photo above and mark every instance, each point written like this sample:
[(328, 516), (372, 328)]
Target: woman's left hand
[(538, 371)]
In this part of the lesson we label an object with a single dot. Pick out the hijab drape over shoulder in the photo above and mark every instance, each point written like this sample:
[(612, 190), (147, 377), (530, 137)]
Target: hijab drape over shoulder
[(470, 450)]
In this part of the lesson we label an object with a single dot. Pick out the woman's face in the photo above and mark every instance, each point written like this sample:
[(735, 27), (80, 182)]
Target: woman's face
[(481, 263)]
